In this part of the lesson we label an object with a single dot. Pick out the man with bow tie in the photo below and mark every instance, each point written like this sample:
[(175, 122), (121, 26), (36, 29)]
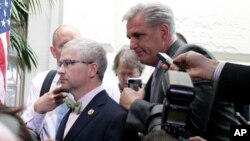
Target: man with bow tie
[(45, 106), (95, 116)]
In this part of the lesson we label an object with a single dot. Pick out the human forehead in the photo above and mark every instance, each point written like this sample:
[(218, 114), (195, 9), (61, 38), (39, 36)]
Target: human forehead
[(62, 39), (124, 65), (127, 70), (137, 21), (70, 53), (137, 25), (64, 35)]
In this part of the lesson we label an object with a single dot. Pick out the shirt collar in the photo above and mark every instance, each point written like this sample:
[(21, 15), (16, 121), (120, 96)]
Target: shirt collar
[(85, 100)]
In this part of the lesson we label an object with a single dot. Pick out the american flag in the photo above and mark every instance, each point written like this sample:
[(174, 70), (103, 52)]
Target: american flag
[(5, 7)]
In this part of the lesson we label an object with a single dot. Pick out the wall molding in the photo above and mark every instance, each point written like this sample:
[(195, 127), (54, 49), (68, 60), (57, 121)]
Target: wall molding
[(242, 58)]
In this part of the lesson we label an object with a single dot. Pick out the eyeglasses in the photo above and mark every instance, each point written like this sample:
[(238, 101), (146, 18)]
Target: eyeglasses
[(66, 63)]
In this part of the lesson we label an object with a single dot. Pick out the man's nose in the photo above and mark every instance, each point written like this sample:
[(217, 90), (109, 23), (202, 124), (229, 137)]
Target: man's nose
[(60, 69), (133, 43)]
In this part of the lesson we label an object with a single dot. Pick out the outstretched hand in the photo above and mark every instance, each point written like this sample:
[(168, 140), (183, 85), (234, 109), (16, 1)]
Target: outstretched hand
[(196, 65)]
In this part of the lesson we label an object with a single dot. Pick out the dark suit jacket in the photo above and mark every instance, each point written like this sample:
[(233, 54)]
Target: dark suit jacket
[(105, 124), (234, 83), (210, 119)]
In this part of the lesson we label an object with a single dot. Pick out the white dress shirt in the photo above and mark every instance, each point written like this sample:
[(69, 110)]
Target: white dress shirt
[(46, 124)]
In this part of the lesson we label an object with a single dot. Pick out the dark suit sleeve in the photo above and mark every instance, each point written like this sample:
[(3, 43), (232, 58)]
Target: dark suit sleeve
[(116, 130), (234, 83), (138, 114)]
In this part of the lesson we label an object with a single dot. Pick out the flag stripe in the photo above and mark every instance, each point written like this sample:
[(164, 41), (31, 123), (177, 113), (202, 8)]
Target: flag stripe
[(5, 6)]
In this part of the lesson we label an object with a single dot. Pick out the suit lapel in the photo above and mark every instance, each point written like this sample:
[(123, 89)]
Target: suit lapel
[(89, 113), (147, 89), (60, 131)]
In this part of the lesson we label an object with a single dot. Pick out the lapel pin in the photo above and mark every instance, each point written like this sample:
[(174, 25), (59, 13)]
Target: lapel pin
[(91, 112)]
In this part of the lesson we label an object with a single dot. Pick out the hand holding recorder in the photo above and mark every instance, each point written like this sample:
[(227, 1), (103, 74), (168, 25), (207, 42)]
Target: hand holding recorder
[(167, 62), (197, 65)]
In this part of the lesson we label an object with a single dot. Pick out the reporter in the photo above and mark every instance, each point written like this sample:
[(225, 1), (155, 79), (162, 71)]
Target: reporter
[(231, 79), (126, 65)]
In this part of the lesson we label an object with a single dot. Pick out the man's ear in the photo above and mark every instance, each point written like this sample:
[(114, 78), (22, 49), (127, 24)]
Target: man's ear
[(165, 31), (93, 71), (52, 50)]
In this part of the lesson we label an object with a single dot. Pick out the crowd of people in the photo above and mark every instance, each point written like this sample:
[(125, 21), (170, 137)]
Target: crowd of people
[(81, 102)]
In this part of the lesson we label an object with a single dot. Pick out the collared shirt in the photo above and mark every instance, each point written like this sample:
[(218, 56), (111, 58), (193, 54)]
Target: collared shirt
[(217, 72), (43, 124), (46, 124), (85, 100)]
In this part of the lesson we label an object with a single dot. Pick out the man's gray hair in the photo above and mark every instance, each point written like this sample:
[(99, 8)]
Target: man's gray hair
[(91, 52), (130, 58), (155, 14)]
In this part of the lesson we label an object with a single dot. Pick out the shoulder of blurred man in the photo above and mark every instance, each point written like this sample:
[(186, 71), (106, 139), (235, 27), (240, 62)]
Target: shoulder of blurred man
[(110, 85)]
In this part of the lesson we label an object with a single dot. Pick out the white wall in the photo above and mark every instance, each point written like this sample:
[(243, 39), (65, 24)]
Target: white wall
[(40, 29), (221, 26), (218, 25)]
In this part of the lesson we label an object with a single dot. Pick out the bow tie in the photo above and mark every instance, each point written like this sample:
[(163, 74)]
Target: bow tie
[(75, 106)]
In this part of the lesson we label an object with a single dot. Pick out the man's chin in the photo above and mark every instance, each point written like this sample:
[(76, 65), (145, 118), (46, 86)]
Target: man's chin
[(64, 89)]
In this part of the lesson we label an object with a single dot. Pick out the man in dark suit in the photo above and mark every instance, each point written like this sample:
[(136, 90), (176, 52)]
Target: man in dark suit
[(232, 79), (151, 29), (96, 117)]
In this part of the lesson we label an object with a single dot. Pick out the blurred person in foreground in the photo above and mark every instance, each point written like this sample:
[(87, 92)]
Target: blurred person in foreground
[(12, 127), (151, 29)]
